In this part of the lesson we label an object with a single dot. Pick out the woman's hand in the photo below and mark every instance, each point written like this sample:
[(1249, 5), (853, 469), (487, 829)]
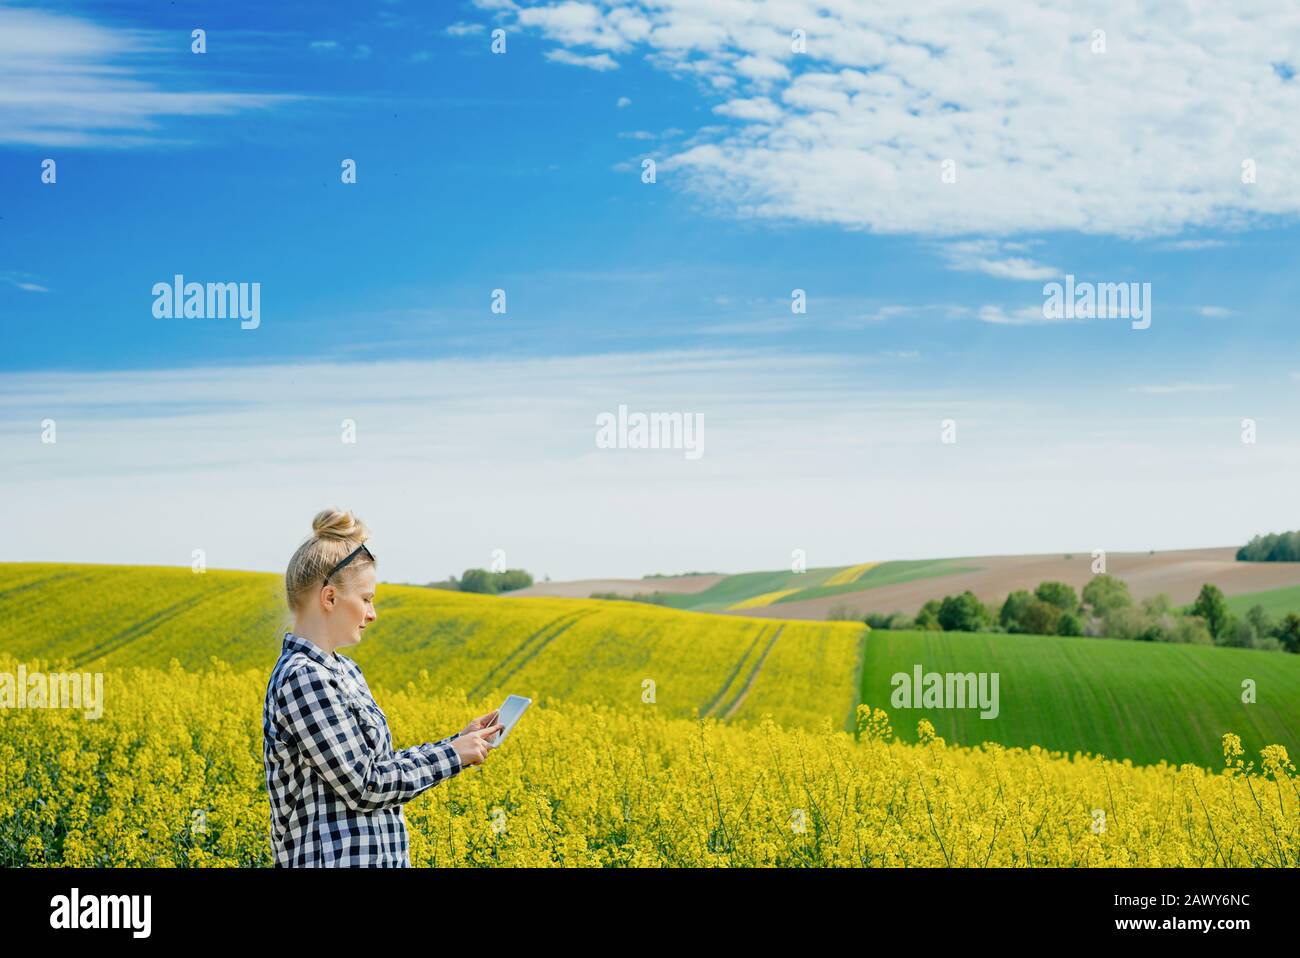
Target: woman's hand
[(473, 747), (483, 721)]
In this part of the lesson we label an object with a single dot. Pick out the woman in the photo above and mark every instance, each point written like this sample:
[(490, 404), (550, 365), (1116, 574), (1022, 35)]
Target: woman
[(335, 784)]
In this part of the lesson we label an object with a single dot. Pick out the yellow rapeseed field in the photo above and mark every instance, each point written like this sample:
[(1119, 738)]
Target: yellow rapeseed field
[(850, 574), (761, 601), (588, 650), (171, 775)]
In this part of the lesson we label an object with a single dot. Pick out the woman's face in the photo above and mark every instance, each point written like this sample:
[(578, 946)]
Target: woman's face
[(354, 607)]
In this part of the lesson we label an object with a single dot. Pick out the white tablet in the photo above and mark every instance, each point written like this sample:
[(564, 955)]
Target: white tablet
[(508, 715)]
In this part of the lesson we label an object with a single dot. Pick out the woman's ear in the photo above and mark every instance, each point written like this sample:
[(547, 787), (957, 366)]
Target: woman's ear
[(328, 598)]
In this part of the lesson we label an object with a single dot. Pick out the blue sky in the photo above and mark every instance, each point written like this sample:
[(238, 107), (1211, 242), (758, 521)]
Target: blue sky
[(818, 171)]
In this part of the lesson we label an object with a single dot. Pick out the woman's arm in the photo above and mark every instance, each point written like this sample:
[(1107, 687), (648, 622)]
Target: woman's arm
[(315, 720)]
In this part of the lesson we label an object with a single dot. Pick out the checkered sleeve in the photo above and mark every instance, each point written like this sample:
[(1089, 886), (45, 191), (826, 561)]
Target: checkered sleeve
[(318, 722)]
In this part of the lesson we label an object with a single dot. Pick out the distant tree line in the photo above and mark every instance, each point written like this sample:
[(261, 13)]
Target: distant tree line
[(483, 581), (676, 575), (1105, 610), (654, 598), (1274, 547)]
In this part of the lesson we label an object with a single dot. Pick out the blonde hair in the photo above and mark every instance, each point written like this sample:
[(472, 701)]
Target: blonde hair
[(333, 535)]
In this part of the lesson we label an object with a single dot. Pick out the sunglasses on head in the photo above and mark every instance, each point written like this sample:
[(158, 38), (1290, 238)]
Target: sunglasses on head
[(348, 558)]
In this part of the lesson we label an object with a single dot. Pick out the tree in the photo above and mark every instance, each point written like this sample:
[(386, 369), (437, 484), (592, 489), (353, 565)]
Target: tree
[(1069, 624), (843, 612), (1012, 609), (513, 579), (1157, 605), (478, 580), (991, 618), (490, 583), (1274, 547), (1105, 593), (1211, 606), (962, 613), (1237, 633), (1039, 617), (1132, 623), (928, 617), (1260, 621), (1190, 630), (1059, 594), (890, 620), (1288, 632)]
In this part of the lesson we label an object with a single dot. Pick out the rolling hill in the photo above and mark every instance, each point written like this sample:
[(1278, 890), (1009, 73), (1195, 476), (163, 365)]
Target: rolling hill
[(1138, 701), (1276, 602), (585, 650), (904, 586)]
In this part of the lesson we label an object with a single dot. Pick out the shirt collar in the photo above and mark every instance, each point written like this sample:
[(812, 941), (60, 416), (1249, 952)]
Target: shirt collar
[(297, 643)]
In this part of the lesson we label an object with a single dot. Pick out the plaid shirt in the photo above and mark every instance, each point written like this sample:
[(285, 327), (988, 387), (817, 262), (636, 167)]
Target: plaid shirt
[(335, 784)]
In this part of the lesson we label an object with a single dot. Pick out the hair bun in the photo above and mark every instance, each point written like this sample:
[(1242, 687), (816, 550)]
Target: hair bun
[(336, 524)]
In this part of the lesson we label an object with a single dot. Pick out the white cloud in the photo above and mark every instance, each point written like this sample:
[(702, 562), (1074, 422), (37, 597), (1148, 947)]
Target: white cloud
[(1146, 139), (990, 257), (65, 81), (1022, 316), (896, 311), (1214, 312), (1182, 246), (754, 327), (601, 61), (360, 52), (622, 102), (761, 69), (464, 29), (762, 315), (760, 109), (23, 282), (1027, 316), (576, 24), (1174, 389), (455, 458)]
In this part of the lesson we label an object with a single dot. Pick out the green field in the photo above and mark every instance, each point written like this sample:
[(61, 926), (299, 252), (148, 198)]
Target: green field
[(1139, 701), (887, 573), (1276, 602), (809, 584)]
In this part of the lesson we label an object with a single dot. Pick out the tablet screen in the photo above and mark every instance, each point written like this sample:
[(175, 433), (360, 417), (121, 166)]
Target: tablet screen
[(509, 714)]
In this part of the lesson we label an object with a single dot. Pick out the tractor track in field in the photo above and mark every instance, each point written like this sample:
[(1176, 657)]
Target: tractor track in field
[(38, 583), (138, 630), (714, 702), (527, 650), (739, 700)]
